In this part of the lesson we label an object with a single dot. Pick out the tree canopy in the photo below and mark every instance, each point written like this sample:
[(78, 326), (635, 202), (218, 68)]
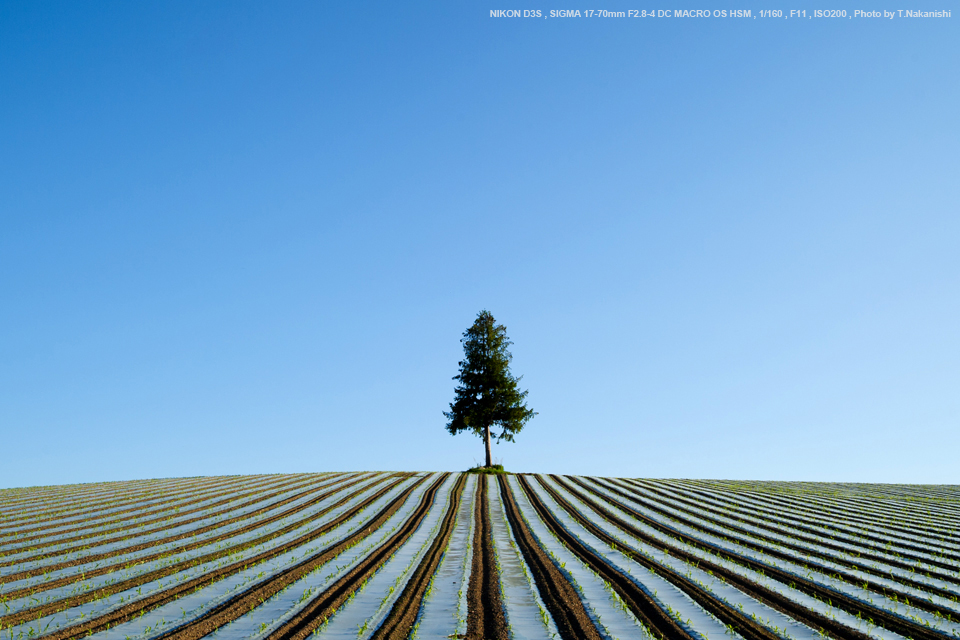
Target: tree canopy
[(487, 395)]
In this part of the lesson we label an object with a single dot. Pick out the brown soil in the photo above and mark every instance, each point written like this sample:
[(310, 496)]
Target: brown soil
[(839, 512), (331, 598), (399, 622), (820, 536), (85, 527), (155, 600), (223, 507), (745, 626), (786, 507), (91, 529), (95, 539), (103, 497), (485, 617), (67, 506), (876, 587), (559, 596), (86, 514), (811, 618), (123, 564), (46, 497), (645, 608)]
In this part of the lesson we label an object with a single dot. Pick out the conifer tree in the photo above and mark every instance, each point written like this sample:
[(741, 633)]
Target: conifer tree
[(487, 395)]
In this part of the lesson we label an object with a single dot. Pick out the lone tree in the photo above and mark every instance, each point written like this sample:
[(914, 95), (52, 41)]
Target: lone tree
[(487, 395)]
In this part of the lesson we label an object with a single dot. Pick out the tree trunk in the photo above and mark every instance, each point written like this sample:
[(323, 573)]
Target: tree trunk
[(486, 443)]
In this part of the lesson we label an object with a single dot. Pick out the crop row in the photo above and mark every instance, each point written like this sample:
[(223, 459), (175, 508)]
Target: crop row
[(435, 555)]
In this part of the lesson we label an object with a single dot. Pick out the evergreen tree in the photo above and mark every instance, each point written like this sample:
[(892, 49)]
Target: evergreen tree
[(487, 395)]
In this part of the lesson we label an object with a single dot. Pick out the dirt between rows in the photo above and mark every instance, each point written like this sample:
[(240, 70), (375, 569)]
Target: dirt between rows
[(133, 608), (734, 619), (558, 594), (807, 616), (325, 603), (125, 564), (167, 508), (50, 533), (403, 615), (96, 539), (879, 543), (640, 603), (88, 544), (645, 501), (37, 497), (786, 506), (705, 512), (929, 521), (774, 551), (92, 513), (812, 619), (102, 498), (485, 616), (83, 512), (837, 511)]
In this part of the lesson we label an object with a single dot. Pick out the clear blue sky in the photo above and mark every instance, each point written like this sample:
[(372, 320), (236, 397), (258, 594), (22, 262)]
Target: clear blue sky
[(243, 237)]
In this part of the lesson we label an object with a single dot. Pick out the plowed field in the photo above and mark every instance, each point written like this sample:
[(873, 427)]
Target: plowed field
[(421, 555)]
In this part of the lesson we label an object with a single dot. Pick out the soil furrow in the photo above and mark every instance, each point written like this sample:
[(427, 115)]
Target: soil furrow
[(822, 542), (485, 616), (833, 510), (86, 516), (926, 605), (645, 608), (403, 615), (326, 602), (93, 595), (96, 539), (825, 625), (831, 515), (92, 519), (853, 517), (558, 594), (99, 571), (734, 619), (877, 544), (151, 543), (168, 510), (834, 598), (101, 489), (104, 499)]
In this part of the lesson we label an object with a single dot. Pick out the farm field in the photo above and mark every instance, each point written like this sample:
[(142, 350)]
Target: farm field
[(444, 555)]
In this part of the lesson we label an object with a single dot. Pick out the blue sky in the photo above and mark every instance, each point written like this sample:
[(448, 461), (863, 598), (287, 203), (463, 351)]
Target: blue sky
[(246, 237)]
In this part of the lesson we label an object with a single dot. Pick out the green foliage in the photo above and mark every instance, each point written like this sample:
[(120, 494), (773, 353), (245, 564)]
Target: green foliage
[(487, 395), (496, 469)]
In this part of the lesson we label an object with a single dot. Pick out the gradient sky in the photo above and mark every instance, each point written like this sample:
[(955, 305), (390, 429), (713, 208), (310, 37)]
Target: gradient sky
[(246, 237)]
